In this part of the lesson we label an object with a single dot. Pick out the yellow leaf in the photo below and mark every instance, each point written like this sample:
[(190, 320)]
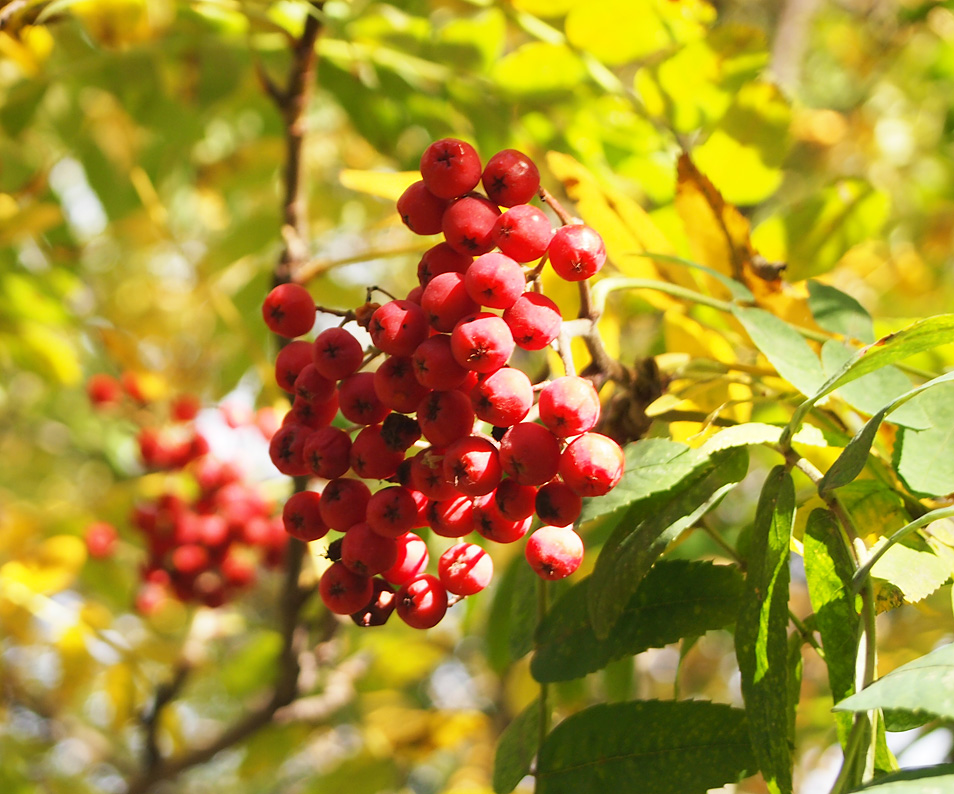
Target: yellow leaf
[(121, 689), (384, 184)]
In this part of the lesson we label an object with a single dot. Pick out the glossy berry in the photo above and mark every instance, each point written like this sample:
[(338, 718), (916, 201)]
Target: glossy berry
[(396, 385), (445, 416), (301, 516), (482, 342), (422, 602), (576, 252), (558, 504), (286, 449), (510, 178), (312, 386), (515, 501), (358, 401), (392, 511), (472, 465), (465, 569), (412, 559), (451, 518), (502, 398), (490, 523), (446, 301), (344, 503), (398, 327), (441, 259), (530, 454), (435, 366), (592, 464), (569, 406), (534, 321), (554, 552), (427, 474), (291, 360), (327, 452), (337, 353), (421, 210), (371, 457), (313, 413), (343, 591), (495, 280), (523, 233), (289, 310), (468, 225), (450, 168), (366, 552)]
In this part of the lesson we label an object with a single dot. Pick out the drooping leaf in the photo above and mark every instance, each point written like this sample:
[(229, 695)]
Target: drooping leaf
[(922, 457), (649, 526), (516, 749), (828, 571), (676, 599), (646, 747), (920, 687), (761, 635)]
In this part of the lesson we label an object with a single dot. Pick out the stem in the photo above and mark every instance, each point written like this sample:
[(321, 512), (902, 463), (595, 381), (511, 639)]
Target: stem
[(856, 738)]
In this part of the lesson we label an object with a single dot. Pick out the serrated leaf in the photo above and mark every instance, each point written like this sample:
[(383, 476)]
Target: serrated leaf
[(652, 465), (783, 346), (922, 780), (761, 634), (646, 747), (922, 457), (516, 749), (751, 433), (828, 571), (676, 599), (923, 686), (649, 526), (916, 571)]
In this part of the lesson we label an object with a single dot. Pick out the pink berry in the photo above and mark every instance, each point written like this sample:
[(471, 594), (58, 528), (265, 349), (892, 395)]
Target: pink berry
[(446, 301), (495, 280), (592, 464), (534, 321), (421, 210), (468, 225), (337, 353), (510, 177), (569, 406), (554, 552), (289, 310), (450, 168), (576, 252), (523, 233), (482, 342), (441, 259), (530, 454), (465, 569), (422, 602)]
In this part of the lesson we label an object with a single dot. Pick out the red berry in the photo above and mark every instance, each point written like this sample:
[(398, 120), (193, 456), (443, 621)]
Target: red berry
[(190, 559), (530, 454), (337, 353), (495, 280), (396, 385), (435, 366), (412, 559), (534, 321), (494, 525), (312, 386), (287, 449), (366, 552), (422, 602), (301, 516), (502, 398), (371, 457), (289, 310), (468, 225), (554, 552), (558, 504), (427, 474), (441, 259), (576, 252), (343, 591), (451, 518), (472, 465), (313, 413), (482, 342), (465, 569), (421, 210), (290, 361), (446, 301), (450, 168), (510, 177), (398, 327), (523, 233), (400, 432), (515, 501), (101, 538), (344, 503), (445, 416), (358, 401), (184, 408), (569, 406), (393, 511), (592, 464), (103, 389), (327, 452)]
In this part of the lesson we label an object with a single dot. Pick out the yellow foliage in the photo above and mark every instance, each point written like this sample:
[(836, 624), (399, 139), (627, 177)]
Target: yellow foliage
[(122, 23), (384, 184), (28, 49)]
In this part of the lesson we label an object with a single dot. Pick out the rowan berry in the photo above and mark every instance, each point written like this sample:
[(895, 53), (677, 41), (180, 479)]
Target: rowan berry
[(343, 591), (445, 416), (554, 552), (515, 501), (421, 210), (336, 353), (530, 454), (103, 389), (523, 232), (327, 452), (450, 168), (465, 569), (366, 552), (371, 457), (592, 464), (358, 401), (495, 280), (441, 259), (576, 252), (534, 321), (468, 224), (398, 327), (510, 178), (502, 398), (569, 406), (396, 385), (377, 611), (446, 301), (435, 366), (289, 310), (393, 511), (422, 602), (290, 361), (301, 516), (558, 504), (493, 525), (472, 465), (412, 559), (427, 474), (344, 503), (286, 449), (482, 342), (451, 518)]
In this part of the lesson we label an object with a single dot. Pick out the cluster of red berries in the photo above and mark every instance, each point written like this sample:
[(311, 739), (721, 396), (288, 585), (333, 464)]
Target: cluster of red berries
[(205, 548), (442, 421)]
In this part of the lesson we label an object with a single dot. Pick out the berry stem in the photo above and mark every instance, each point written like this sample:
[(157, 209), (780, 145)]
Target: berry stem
[(547, 198)]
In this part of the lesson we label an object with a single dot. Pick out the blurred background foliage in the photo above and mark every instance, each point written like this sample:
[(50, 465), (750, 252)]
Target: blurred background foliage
[(140, 190)]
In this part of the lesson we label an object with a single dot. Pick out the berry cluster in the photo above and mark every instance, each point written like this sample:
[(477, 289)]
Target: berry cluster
[(459, 441), (201, 548)]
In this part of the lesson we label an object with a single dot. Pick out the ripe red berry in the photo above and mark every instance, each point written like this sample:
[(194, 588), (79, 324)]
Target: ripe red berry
[(412, 559), (534, 321), (327, 452), (472, 465), (482, 342), (393, 511), (502, 398), (468, 225), (515, 501), (558, 504), (576, 252), (396, 385), (301, 516), (427, 474), (371, 457), (289, 310), (492, 524), (441, 259), (445, 416), (446, 302), (398, 327), (422, 602), (523, 233), (451, 518), (421, 210), (495, 280), (435, 366), (569, 406), (510, 177), (103, 389), (366, 552), (290, 361), (343, 591), (337, 353), (313, 413), (554, 552), (358, 401), (184, 408), (312, 386), (400, 432), (450, 168), (190, 559), (101, 538), (344, 503), (465, 569), (287, 449), (530, 453), (592, 464)]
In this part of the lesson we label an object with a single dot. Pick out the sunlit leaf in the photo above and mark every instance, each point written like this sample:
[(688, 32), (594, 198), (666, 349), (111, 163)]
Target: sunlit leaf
[(384, 184)]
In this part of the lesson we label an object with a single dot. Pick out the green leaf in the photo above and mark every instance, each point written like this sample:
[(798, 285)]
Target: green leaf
[(923, 457), (921, 687), (914, 568), (646, 747), (922, 780), (783, 346), (648, 527), (828, 570), (760, 433), (539, 69), (652, 465), (761, 638), (516, 749), (513, 615), (839, 313), (676, 599)]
